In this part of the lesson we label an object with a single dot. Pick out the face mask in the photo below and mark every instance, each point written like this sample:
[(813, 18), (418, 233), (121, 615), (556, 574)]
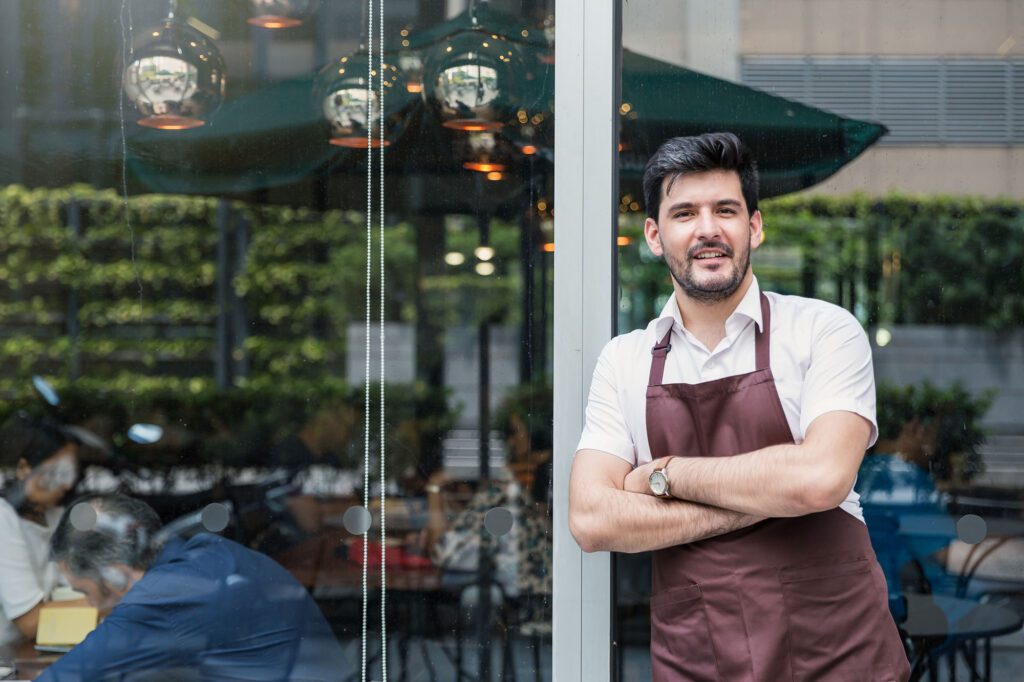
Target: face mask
[(56, 475)]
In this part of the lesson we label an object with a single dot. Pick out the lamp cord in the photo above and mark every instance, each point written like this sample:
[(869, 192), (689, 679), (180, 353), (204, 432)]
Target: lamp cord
[(380, 208), (366, 384), (369, 276)]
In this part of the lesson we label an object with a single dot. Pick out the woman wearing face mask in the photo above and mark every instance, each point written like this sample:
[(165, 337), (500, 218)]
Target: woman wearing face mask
[(45, 460)]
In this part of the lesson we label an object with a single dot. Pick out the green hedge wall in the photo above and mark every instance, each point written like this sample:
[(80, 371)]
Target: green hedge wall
[(897, 259)]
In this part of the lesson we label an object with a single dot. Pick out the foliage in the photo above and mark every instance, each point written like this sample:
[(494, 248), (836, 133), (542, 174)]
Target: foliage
[(943, 423), (898, 259), (132, 307), (240, 426)]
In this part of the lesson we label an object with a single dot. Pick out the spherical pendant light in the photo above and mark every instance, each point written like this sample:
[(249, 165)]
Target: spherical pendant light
[(280, 13), (176, 77), (471, 81), (342, 96)]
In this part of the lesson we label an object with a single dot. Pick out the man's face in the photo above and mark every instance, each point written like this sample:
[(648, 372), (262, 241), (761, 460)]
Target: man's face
[(100, 594), (705, 234)]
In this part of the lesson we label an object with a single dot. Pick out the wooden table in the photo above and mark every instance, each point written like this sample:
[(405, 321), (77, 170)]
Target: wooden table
[(29, 663)]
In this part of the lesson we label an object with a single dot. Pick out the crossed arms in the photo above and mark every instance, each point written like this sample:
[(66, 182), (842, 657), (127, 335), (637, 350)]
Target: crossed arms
[(611, 508)]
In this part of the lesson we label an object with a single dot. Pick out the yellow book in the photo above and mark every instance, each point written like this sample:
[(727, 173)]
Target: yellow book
[(65, 626)]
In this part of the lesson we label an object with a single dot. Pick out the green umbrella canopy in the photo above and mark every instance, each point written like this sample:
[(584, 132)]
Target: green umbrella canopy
[(796, 145), (276, 137)]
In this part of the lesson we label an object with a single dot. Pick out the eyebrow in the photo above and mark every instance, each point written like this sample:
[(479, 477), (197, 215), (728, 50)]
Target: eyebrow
[(689, 204)]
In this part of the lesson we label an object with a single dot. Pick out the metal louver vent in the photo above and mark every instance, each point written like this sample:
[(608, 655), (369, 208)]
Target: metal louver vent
[(977, 101), (922, 101), (842, 86), (910, 100), (783, 77)]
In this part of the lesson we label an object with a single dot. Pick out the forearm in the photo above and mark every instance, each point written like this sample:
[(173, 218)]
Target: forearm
[(28, 622), (777, 481), (609, 519)]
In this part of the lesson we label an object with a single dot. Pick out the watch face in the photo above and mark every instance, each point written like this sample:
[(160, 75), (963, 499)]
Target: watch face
[(658, 483)]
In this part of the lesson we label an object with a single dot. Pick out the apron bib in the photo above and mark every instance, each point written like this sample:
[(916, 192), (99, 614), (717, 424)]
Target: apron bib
[(799, 599)]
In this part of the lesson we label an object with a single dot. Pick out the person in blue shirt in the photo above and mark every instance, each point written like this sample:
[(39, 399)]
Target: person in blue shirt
[(203, 609)]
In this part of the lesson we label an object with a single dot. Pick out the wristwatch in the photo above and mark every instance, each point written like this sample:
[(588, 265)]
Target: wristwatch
[(658, 480)]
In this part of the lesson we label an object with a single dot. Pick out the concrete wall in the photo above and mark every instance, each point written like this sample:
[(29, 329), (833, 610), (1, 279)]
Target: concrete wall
[(461, 363), (985, 171), (979, 358), (699, 34), (883, 27)]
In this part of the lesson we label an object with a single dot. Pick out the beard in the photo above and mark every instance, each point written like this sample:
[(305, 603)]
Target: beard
[(717, 287)]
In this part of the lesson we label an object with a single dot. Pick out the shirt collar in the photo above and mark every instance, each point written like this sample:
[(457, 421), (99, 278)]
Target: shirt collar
[(749, 308)]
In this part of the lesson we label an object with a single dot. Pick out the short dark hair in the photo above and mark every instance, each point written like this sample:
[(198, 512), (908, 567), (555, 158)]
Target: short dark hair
[(710, 151), (98, 531), (34, 439)]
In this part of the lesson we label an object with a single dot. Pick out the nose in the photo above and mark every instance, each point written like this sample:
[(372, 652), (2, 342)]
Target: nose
[(706, 225)]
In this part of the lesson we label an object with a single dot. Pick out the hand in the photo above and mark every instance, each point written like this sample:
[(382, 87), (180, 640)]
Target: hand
[(637, 481)]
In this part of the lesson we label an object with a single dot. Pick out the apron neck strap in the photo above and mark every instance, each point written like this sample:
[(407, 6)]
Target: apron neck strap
[(762, 337), (762, 346), (659, 352)]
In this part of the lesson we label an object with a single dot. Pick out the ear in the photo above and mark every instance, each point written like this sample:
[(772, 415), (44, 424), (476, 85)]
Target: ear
[(651, 234), (22, 470), (756, 230)]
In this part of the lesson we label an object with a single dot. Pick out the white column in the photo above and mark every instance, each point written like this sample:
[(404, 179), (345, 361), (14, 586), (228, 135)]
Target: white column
[(586, 199)]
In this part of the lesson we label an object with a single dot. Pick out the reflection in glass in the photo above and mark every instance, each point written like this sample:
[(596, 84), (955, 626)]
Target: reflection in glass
[(176, 77), (345, 99), (280, 13), (213, 284), (471, 81)]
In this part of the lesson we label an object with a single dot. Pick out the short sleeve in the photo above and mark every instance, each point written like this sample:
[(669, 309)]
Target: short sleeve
[(841, 376), (20, 587), (606, 428)]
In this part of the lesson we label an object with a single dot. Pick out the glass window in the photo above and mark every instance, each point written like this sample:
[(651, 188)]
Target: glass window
[(890, 181), (289, 292)]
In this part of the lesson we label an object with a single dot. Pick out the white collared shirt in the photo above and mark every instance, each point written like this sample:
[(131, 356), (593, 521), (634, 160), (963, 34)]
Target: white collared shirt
[(820, 357)]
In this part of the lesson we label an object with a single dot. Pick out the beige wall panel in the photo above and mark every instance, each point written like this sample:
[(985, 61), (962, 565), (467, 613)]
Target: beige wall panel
[(974, 27), (1015, 27), (1017, 173), (909, 27), (985, 171), (773, 26), (884, 27), (657, 29), (841, 27)]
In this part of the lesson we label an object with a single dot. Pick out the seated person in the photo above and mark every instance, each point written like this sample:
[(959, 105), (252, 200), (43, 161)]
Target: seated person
[(521, 557), (205, 609), (45, 461)]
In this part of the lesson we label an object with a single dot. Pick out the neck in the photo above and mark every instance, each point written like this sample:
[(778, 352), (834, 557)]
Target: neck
[(706, 319)]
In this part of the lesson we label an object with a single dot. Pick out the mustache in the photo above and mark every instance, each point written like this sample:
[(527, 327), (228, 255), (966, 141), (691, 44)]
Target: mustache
[(721, 246)]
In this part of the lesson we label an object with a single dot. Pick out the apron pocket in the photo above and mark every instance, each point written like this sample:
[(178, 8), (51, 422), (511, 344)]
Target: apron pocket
[(834, 623), (681, 646)]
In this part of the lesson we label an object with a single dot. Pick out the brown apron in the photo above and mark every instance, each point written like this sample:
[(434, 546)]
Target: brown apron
[(799, 599)]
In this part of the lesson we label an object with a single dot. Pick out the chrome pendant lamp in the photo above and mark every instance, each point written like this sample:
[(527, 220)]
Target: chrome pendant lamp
[(342, 95), (275, 14), (176, 76), (471, 79)]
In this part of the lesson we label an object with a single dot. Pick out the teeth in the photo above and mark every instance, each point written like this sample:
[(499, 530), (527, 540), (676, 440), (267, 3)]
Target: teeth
[(709, 255)]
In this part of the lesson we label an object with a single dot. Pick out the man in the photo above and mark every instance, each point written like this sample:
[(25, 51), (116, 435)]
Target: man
[(205, 609), (726, 437)]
